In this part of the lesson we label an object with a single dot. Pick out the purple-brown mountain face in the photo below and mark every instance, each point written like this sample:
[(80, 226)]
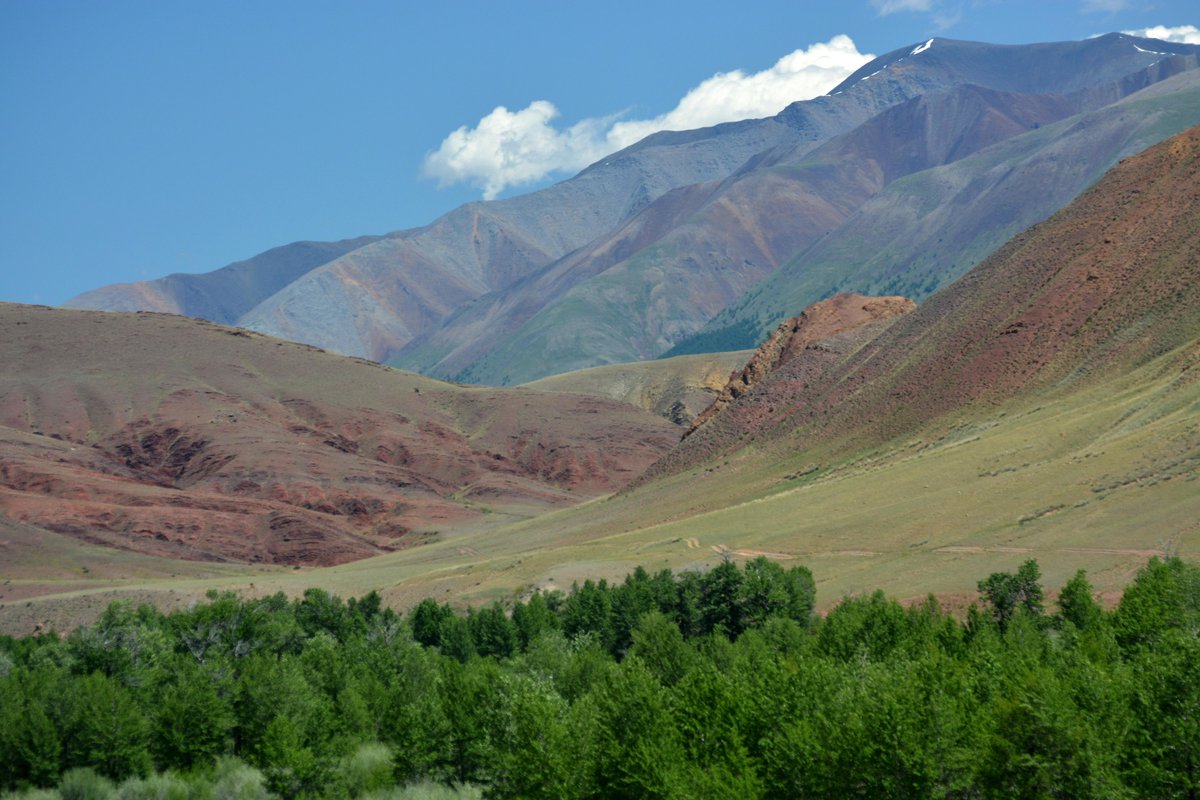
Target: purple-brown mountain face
[(176, 437), (679, 234), (1105, 286)]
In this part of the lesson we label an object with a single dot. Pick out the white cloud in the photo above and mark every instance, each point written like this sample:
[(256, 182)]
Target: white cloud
[(512, 148), (509, 148), (1182, 34), (891, 6)]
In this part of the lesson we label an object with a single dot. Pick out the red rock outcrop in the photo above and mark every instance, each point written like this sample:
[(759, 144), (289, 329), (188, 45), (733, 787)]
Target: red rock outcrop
[(822, 320)]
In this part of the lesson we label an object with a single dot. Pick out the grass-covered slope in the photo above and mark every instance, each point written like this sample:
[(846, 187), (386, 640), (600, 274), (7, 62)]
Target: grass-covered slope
[(675, 388)]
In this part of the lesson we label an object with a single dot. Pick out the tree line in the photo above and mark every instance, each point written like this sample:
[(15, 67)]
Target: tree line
[(715, 684)]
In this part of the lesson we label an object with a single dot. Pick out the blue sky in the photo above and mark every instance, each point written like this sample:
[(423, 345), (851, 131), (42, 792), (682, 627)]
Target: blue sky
[(144, 138)]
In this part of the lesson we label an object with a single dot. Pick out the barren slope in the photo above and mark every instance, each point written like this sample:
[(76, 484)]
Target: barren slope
[(182, 438)]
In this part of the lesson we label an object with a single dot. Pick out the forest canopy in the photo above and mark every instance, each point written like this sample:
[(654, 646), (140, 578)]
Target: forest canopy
[(688, 685)]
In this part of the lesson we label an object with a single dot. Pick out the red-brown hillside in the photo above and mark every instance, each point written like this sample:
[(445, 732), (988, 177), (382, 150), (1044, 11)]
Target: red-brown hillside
[(1105, 285), (182, 438), (800, 338)]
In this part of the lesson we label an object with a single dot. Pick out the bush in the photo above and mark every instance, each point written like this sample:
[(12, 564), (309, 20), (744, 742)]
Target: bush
[(427, 790), (85, 783), (35, 794), (233, 779), (167, 786), (369, 769)]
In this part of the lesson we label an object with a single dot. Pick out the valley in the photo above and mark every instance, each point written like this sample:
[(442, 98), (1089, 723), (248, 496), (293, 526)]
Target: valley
[(1042, 404)]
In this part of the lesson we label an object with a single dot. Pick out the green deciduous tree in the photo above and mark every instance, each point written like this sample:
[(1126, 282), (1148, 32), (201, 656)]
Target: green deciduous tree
[(1076, 604), (493, 632), (30, 752), (638, 745), (1165, 596), (193, 720), (427, 620), (532, 619), (658, 643), (1163, 749), (107, 729), (1007, 593)]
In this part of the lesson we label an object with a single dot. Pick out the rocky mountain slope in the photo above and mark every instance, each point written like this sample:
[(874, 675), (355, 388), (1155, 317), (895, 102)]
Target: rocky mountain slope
[(924, 230), (675, 227), (801, 345), (1105, 286), (180, 438)]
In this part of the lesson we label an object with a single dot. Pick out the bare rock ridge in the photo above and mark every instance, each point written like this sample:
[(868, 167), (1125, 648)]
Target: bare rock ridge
[(822, 320), (176, 437)]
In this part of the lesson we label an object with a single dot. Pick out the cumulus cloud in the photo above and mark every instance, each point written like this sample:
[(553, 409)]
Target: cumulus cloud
[(1182, 34), (511, 148)]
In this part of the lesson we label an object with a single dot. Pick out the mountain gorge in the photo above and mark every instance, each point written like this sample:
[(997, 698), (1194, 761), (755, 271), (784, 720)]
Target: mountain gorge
[(641, 251)]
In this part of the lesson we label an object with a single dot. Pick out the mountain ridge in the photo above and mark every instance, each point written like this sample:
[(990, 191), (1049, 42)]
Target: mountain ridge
[(398, 298), (734, 234), (927, 228)]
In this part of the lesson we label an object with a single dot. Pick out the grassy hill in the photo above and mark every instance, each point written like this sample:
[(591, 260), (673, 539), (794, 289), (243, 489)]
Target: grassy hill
[(675, 388)]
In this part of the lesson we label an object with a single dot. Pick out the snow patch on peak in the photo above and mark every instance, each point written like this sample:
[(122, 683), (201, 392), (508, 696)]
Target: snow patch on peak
[(922, 48), (1151, 52)]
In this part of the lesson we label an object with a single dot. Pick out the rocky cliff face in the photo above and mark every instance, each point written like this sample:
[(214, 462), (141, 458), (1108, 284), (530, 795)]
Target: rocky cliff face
[(793, 339)]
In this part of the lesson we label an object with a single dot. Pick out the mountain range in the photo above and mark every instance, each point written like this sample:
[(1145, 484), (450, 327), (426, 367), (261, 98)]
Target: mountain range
[(703, 240)]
